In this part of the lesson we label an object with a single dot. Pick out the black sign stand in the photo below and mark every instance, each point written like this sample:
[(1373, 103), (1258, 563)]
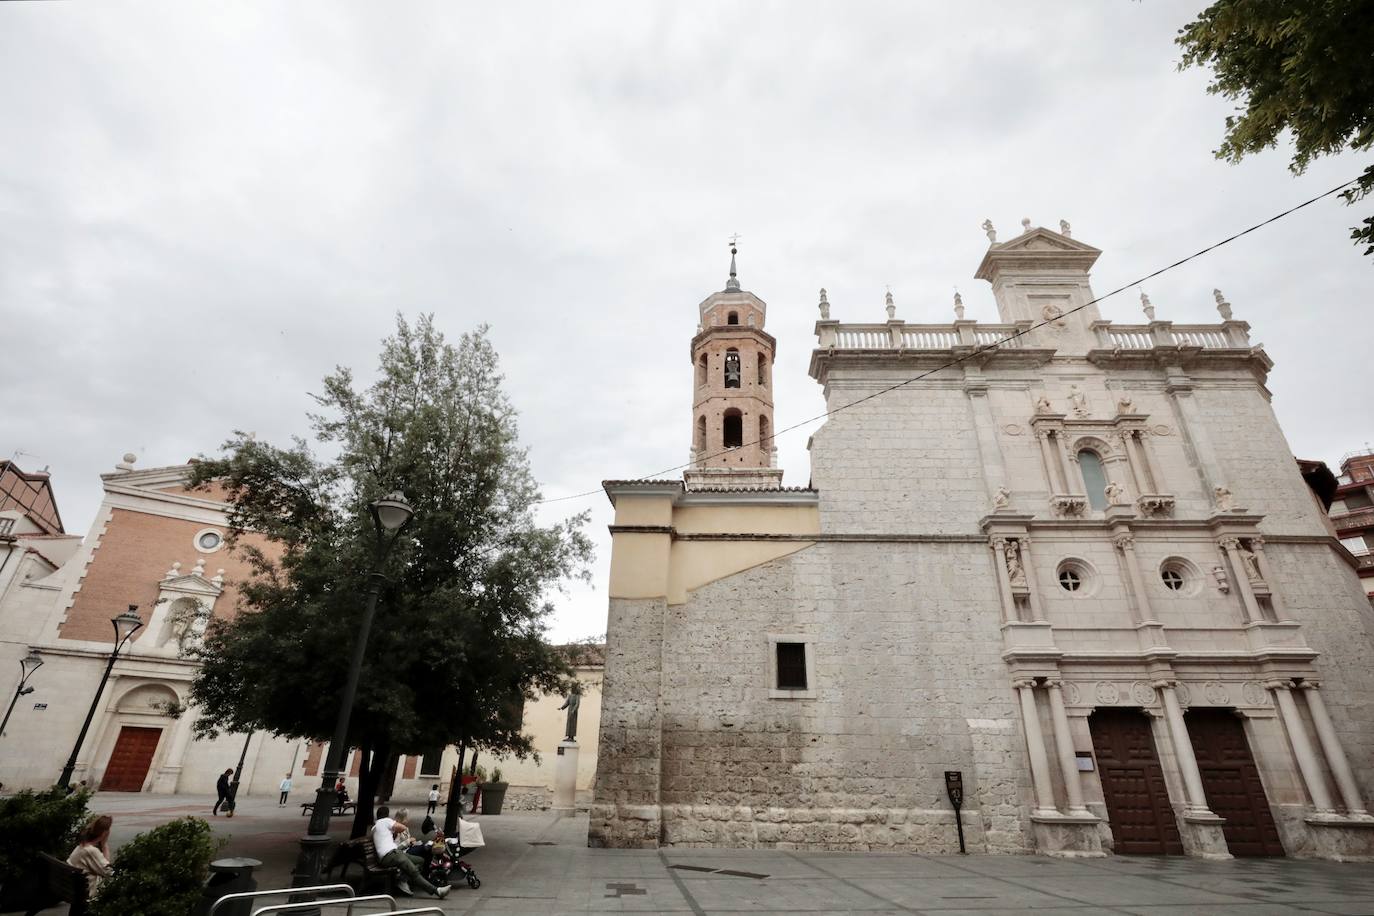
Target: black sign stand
[(954, 787)]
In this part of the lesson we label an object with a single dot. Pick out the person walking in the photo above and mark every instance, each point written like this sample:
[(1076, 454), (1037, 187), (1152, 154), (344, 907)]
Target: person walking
[(384, 834), (92, 853), (433, 799), (224, 792), (285, 788)]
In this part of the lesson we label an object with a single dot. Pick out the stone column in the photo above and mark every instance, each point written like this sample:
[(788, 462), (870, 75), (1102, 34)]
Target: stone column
[(1183, 750), (999, 563), (1054, 469), (1138, 476), (1231, 547), (1035, 743), (1194, 429), (1126, 544), (1063, 746), (1151, 474), (1072, 474), (1335, 754), (1302, 748), (1032, 584)]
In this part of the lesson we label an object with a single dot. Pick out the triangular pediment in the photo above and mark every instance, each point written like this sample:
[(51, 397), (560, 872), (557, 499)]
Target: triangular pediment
[(1037, 250), (191, 584)]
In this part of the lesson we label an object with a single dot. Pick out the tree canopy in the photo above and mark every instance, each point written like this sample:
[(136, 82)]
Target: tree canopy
[(458, 640), (1304, 66)]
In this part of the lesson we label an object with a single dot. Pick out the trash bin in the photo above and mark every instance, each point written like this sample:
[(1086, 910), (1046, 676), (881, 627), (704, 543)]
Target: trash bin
[(229, 876)]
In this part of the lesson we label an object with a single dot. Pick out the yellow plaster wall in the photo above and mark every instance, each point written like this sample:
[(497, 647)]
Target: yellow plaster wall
[(653, 565), (544, 723)]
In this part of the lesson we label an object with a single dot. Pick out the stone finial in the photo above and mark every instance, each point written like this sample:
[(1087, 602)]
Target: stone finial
[(1025, 224), (1223, 306), (992, 233), (173, 572), (824, 306), (1065, 229), (219, 578), (200, 568), (127, 464), (890, 306), (1223, 584), (1146, 307), (958, 306)]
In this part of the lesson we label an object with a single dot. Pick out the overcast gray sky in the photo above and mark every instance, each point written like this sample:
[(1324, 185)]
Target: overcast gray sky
[(205, 207)]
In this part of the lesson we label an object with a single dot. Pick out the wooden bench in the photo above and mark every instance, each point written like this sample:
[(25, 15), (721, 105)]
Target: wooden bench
[(65, 883), (345, 808), (361, 851)]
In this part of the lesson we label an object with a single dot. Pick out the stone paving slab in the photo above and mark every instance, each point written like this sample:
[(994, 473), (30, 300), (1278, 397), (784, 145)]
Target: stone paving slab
[(538, 864)]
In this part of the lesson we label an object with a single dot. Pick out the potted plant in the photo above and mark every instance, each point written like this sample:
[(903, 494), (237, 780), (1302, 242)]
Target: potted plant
[(35, 822), (494, 793)]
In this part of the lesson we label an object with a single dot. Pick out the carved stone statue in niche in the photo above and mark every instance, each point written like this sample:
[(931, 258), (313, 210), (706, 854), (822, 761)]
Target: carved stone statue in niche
[(1078, 401), (1115, 493), (1011, 551), (1251, 563), (1124, 404)]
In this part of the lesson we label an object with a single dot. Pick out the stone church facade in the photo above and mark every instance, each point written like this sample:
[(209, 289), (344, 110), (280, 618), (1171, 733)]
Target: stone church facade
[(1073, 560)]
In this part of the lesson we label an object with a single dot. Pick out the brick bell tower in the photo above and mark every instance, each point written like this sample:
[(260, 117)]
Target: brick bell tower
[(732, 404)]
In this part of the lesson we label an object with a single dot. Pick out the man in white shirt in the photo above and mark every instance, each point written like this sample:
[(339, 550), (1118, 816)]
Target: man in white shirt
[(285, 789), (384, 833)]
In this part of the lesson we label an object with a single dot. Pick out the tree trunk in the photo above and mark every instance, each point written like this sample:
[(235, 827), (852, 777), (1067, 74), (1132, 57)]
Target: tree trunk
[(455, 795), (387, 783), (369, 775)]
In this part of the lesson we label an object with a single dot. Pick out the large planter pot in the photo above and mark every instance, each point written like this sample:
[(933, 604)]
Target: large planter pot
[(493, 796)]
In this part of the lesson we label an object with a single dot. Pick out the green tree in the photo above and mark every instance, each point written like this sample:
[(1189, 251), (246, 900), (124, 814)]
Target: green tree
[(460, 628), (1304, 66)]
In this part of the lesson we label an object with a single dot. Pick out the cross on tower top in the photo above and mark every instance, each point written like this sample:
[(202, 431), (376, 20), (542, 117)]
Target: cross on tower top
[(733, 283)]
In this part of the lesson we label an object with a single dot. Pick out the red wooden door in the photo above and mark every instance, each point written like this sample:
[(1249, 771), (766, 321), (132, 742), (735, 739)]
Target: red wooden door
[(1232, 783), (1138, 808), (130, 759)]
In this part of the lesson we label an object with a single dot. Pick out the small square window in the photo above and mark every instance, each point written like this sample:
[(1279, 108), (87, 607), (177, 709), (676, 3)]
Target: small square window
[(791, 665)]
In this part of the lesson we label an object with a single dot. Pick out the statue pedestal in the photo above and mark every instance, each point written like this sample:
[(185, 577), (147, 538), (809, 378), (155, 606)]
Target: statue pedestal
[(565, 777)]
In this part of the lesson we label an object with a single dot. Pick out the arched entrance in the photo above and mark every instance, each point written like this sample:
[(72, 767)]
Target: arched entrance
[(141, 719)]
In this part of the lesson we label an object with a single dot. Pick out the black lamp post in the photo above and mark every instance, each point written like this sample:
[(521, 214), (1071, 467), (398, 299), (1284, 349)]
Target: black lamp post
[(390, 514), (125, 625), (27, 666)]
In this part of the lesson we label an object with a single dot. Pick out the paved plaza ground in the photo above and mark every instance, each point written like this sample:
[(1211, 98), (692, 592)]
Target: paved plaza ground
[(538, 863)]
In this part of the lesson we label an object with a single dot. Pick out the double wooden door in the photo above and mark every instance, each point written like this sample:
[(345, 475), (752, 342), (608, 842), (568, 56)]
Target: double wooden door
[(130, 759), (1138, 809), (1232, 783)]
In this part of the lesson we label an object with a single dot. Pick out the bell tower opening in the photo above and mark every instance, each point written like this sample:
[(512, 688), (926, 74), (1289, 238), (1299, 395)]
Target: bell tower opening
[(732, 368), (733, 427), (732, 318)]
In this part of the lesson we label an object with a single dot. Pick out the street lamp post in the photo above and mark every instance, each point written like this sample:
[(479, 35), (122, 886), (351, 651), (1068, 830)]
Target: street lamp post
[(125, 625), (390, 514), (27, 666)]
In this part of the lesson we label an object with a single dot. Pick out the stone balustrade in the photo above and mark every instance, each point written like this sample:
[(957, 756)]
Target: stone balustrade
[(899, 335)]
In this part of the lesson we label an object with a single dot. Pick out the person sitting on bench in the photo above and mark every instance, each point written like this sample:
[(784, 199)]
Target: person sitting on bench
[(92, 854), (384, 834)]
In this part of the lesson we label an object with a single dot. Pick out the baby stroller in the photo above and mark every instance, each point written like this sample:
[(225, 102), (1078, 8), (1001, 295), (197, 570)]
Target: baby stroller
[(445, 861)]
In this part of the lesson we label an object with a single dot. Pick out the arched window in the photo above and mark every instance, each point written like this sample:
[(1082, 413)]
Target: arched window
[(701, 434), (764, 442), (732, 318), (734, 429), (731, 368), (763, 370), (1094, 478), (701, 370)]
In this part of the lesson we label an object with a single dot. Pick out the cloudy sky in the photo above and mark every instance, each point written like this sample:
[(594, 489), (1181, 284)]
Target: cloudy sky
[(205, 207)]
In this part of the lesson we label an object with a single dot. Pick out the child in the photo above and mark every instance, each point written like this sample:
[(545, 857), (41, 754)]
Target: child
[(433, 799)]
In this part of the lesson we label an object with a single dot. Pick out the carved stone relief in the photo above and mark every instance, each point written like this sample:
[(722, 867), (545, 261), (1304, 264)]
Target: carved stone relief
[(1106, 693), (1142, 694)]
